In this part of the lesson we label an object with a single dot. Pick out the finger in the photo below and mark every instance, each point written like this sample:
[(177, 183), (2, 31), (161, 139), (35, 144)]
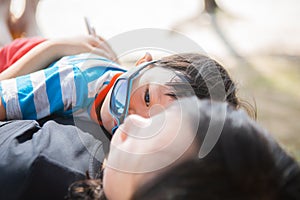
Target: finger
[(101, 52), (104, 42), (107, 49), (94, 41), (101, 38)]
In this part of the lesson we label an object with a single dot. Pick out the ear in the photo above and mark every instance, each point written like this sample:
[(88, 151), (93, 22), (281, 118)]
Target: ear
[(146, 58)]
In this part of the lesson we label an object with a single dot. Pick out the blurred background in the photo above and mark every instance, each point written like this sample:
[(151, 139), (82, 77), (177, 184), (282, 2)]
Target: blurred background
[(256, 40)]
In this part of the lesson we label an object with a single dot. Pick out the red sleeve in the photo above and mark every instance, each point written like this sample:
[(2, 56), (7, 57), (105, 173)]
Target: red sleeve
[(10, 53)]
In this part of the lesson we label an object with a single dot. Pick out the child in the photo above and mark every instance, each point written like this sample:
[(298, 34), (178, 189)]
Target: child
[(62, 88), (77, 84), (198, 74)]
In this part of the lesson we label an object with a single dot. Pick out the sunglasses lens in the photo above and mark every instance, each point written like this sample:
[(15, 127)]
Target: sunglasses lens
[(118, 98)]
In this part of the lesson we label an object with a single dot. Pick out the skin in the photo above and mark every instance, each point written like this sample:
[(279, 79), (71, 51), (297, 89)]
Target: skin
[(146, 91), (43, 54), (5, 36), (143, 148), (146, 144), (142, 114), (148, 96)]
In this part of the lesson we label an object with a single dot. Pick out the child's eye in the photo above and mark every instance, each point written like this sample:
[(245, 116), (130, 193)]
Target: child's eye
[(147, 97)]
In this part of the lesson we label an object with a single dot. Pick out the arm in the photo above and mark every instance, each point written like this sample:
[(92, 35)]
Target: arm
[(33, 165), (45, 53)]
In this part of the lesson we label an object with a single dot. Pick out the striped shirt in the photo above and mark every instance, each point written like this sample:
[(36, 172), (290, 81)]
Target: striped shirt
[(68, 86)]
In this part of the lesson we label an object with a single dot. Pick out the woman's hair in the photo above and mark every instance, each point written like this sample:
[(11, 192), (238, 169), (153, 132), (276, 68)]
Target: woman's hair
[(206, 77), (245, 163), (88, 189)]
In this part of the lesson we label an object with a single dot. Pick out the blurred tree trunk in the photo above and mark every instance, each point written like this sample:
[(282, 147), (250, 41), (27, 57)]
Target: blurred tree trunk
[(210, 6)]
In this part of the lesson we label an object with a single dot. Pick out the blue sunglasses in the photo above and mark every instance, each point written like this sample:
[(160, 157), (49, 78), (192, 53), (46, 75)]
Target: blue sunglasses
[(120, 97)]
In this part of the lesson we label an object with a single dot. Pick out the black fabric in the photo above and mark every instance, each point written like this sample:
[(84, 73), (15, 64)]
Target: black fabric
[(46, 180), (85, 125), (41, 161)]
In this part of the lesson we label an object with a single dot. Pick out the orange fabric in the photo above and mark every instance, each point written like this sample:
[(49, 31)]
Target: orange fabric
[(100, 98), (12, 52)]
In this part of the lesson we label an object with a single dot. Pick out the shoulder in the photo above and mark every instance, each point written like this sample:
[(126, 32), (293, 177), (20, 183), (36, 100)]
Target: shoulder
[(38, 158)]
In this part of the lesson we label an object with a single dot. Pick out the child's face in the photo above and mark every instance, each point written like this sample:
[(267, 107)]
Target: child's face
[(149, 95)]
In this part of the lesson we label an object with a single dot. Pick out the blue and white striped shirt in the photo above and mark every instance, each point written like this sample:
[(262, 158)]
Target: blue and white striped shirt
[(68, 86)]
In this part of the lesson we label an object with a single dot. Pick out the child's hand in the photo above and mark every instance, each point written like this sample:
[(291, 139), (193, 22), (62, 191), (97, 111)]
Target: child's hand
[(112, 55), (82, 44)]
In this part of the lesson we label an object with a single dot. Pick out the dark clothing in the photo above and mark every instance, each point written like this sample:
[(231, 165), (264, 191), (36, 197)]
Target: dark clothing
[(41, 161)]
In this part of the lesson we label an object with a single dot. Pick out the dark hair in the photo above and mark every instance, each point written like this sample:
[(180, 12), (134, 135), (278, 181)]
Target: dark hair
[(88, 189), (245, 163), (205, 76)]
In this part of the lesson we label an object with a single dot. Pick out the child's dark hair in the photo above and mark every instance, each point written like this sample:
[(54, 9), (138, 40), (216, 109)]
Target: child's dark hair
[(204, 75)]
